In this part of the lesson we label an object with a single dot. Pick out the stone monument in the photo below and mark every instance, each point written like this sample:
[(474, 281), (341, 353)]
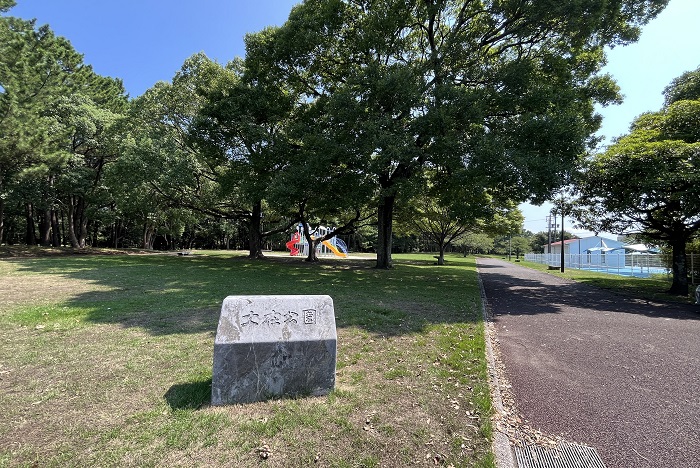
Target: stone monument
[(269, 346)]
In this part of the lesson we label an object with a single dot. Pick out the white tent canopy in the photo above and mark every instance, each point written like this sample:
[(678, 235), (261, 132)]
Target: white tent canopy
[(632, 248), (600, 249), (603, 247), (636, 247)]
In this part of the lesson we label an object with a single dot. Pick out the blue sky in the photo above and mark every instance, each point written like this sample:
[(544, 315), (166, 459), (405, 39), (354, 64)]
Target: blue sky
[(668, 47), (145, 41)]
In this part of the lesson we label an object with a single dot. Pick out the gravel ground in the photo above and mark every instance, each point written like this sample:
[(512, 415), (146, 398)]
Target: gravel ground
[(597, 368)]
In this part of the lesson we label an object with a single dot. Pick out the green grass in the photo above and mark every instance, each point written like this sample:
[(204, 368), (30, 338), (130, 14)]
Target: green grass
[(107, 360), (652, 288)]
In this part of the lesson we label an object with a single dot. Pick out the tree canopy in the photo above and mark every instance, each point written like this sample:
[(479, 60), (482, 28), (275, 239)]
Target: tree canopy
[(502, 90), (57, 121), (350, 111), (649, 180)]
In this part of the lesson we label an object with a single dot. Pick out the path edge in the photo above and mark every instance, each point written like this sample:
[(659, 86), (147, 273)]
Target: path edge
[(500, 443)]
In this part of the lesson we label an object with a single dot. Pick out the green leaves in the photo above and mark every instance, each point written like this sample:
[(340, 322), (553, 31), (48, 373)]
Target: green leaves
[(684, 88), (348, 105), (649, 180), (57, 120), (497, 93), (5, 5)]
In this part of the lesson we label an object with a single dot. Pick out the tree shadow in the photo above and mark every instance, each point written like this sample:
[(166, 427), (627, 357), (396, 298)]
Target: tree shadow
[(190, 395), (170, 294), (531, 292)]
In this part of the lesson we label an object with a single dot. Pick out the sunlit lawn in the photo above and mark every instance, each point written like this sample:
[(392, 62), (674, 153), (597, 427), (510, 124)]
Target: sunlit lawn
[(107, 359), (652, 288)]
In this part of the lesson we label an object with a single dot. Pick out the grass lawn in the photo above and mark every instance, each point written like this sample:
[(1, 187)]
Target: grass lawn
[(106, 360)]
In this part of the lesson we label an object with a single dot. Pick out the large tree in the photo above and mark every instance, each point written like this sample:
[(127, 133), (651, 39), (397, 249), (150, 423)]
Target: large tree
[(273, 147), (503, 88), (86, 143), (474, 242), (317, 180), (241, 129), (447, 208), (55, 114), (159, 169), (649, 180), (209, 141), (35, 72)]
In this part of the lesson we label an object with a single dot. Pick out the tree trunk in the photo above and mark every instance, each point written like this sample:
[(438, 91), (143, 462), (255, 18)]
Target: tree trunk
[(313, 243), (63, 228), (55, 232), (385, 218), (45, 223), (680, 267), (441, 256), (71, 224), (45, 228), (114, 241), (77, 221), (2, 219), (95, 233), (254, 234), (83, 231), (312, 256), (30, 236), (148, 236)]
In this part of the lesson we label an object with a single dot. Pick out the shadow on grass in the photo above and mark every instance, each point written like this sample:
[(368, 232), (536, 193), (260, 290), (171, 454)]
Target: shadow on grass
[(167, 294), (190, 395), (196, 394)]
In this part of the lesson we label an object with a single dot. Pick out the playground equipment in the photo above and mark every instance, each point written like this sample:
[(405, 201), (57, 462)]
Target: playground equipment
[(299, 245)]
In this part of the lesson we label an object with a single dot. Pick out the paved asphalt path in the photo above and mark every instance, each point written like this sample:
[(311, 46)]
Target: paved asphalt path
[(618, 374)]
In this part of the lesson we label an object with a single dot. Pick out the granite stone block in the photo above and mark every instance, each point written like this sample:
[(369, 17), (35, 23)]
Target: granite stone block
[(272, 346)]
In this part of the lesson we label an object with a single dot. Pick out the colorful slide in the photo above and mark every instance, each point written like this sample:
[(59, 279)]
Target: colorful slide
[(296, 238), (334, 249), (298, 243)]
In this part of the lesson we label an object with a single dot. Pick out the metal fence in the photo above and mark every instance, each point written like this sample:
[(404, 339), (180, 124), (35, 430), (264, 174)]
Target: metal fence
[(639, 265)]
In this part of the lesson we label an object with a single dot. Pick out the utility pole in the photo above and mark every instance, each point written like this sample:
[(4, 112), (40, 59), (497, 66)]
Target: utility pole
[(562, 207), (551, 229), (509, 248), (562, 238)]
